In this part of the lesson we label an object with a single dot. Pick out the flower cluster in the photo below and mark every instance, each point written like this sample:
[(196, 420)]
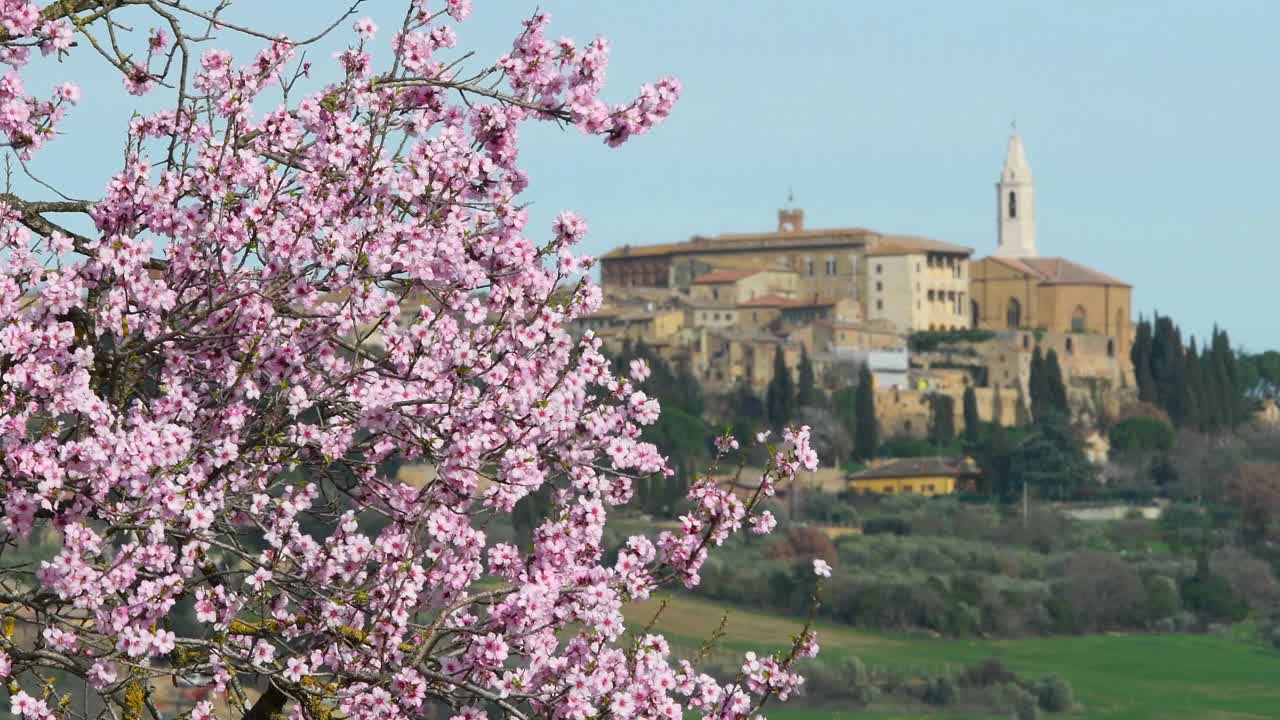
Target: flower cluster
[(204, 398)]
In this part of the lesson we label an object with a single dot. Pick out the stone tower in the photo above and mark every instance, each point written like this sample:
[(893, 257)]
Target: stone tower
[(1016, 202)]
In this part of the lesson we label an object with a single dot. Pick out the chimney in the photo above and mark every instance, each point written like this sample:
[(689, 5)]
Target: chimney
[(790, 220)]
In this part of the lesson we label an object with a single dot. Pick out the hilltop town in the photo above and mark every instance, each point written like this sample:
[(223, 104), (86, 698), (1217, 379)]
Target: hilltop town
[(926, 316)]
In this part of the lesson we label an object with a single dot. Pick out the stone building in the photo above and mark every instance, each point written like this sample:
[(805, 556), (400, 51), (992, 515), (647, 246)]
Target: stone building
[(1016, 289), (918, 284)]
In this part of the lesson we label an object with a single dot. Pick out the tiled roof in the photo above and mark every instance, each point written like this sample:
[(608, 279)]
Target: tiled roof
[(797, 234), (716, 277), (919, 467), (769, 301), (701, 242), (1060, 271), (912, 244), (642, 250)]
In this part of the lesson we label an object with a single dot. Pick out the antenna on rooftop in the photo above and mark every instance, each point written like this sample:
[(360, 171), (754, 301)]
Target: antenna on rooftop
[(791, 197)]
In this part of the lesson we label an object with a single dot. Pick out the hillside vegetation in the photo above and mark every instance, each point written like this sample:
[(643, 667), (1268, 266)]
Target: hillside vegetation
[(1115, 676)]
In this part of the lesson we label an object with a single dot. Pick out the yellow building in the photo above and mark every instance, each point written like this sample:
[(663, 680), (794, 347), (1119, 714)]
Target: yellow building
[(917, 476), (1051, 294)]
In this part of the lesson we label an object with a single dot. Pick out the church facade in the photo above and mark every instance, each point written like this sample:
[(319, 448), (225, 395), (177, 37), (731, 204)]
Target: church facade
[(1017, 289)]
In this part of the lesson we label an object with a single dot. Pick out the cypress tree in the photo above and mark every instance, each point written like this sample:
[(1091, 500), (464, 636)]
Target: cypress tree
[(780, 397), (942, 424), (1140, 355), (1166, 367), (1038, 386), (1055, 385), (866, 430), (1237, 410), (971, 421), (1193, 396), (806, 391)]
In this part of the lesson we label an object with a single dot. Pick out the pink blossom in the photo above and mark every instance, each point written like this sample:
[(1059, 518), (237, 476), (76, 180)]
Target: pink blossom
[(366, 28), (764, 523), (102, 674), (295, 669)]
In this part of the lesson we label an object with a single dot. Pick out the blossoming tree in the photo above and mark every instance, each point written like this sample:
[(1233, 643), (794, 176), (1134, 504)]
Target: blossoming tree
[(204, 371)]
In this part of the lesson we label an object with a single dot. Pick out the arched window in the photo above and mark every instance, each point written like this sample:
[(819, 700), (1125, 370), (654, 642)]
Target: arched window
[(1079, 319), (1014, 313), (1013, 204)]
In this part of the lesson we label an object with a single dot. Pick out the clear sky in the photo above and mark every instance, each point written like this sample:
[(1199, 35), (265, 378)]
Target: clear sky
[(1151, 127)]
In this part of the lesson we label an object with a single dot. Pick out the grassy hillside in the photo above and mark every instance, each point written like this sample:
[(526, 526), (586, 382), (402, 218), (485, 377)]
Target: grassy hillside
[(1116, 677)]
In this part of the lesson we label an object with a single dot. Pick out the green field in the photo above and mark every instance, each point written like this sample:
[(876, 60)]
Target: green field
[(1115, 676)]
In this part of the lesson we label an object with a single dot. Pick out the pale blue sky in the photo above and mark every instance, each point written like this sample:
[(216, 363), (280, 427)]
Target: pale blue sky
[(1150, 126)]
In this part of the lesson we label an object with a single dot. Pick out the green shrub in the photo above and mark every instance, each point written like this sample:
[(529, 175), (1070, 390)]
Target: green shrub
[(886, 526), (1013, 699), (930, 340), (1212, 597), (1162, 597), (941, 691), (1141, 435), (1055, 694)]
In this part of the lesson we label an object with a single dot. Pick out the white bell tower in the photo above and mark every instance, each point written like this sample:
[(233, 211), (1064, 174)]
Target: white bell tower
[(1016, 202)]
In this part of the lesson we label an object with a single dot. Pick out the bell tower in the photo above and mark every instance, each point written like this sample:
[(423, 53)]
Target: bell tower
[(1016, 203)]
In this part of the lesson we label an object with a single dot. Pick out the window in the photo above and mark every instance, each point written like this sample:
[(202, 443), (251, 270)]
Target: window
[(1111, 348), (879, 268), (879, 304), (754, 316), (1070, 346), (831, 266), (1013, 204), (976, 315), (715, 293), (1013, 314), (930, 296), (809, 264), (879, 286), (1079, 319), (907, 488)]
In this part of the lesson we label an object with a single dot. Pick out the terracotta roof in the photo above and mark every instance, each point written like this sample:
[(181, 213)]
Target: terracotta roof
[(794, 234), (770, 301), (700, 242), (1060, 271), (912, 244), (716, 277), (641, 250), (919, 467)]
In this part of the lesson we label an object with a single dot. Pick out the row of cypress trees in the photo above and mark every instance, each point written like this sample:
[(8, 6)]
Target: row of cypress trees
[(855, 406), (1201, 388)]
